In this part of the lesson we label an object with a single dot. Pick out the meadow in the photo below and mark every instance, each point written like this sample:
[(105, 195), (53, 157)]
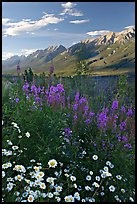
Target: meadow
[(68, 139)]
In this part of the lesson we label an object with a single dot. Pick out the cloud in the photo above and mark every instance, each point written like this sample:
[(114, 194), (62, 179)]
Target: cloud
[(98, 32), (5, 21), (31, 33), (69, 9), (26, 52), (79, 21), (27, 25), (6, 55), (68, 5), (128, 27)]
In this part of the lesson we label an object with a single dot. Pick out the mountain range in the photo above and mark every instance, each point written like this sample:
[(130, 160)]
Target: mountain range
[(111, 53)]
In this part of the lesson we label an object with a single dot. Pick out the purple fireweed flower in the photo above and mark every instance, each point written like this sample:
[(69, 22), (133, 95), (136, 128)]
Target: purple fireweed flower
[(102, 120), (86, 108), (94, 144), (25, 87), (115, 105), (115, 116), (129, 146), (68, 100), (60, 88), (122, 125), (123, 109), (106, 110), (67, 132), (91, 114), (75, 117), (82, 100), (57, 97), (119, 138), (130, 112), (46, 92), (77, 97), (39, 89), (17, 100), (62, 101), (33, 88), (38, 99), (88, 121), (18, 68), (75, 107), (68, 115), (53, 89), (85, 113), (124, 139)]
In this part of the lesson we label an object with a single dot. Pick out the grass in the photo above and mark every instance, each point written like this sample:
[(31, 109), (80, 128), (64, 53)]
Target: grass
[(65, 142)]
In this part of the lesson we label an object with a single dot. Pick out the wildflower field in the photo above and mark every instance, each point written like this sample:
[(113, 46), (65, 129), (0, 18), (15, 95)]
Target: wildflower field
[(68, 140)]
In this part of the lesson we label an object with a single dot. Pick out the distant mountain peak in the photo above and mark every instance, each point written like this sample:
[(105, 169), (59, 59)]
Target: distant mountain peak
[(113, 37)]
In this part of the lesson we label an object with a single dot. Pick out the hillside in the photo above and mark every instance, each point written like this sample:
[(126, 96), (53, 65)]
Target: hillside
[(112, 53)]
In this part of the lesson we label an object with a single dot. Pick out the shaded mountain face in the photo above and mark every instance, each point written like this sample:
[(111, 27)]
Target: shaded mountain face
[(36, 59), (114, 50)]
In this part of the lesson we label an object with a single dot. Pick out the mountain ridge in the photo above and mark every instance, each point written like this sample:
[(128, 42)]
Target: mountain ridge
[(94, 47)]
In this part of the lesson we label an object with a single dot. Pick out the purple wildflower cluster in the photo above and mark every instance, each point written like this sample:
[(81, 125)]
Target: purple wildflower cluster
[(54, 96), (102, 120), (115, 105), (67, 132), (122, 126), (130, 112), (124, 140), (80, 111)]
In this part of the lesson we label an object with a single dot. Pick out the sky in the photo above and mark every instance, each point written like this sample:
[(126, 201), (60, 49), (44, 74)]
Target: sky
[(29, 26)]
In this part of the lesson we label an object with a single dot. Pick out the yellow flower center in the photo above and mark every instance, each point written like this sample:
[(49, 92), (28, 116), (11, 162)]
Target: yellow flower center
[(30, 198), (52, 163)]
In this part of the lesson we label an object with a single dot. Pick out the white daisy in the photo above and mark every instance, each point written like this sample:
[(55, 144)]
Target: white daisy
[(123, 190), (73, 178), (42, 185), (10, 186), (95, 157), (15, 147), (27, 134), (50, 195), (91, 173), (87, 188), (105, 168), (19, 177), (108, 163), (88, 178), (119, 177), (3, 174), (97, 178), (52, 163), (95, 184), (112, 188), (131, 199), (58, 188), (102, 193), (91, 200), (111, 166), (30, 198)]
